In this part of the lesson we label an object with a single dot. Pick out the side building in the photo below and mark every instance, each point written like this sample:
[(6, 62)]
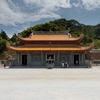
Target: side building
[(59, 46)]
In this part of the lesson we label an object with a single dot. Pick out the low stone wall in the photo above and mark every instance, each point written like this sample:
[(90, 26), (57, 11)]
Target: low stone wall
[(1, 65), (94, 64)]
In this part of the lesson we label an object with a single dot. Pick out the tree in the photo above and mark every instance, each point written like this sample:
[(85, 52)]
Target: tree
[(97, 32), (47, 27), (2, 45), (26, 32), (3, 35), (14, 38)]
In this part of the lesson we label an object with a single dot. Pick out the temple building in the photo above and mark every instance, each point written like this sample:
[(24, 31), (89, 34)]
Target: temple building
[(59, 46)]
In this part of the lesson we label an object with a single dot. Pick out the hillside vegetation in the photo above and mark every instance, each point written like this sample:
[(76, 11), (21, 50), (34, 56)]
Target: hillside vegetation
[(91, 33)]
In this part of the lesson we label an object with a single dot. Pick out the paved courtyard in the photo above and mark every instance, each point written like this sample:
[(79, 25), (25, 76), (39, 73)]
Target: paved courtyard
[(50, 84)]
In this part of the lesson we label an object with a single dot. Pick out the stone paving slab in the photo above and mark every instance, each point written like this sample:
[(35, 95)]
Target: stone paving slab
[(50, 84)]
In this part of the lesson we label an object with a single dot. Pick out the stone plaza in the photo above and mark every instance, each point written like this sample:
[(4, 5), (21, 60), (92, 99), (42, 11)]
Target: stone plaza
[(50, 84)]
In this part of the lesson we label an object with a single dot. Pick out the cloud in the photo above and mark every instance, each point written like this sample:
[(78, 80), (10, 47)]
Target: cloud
[(49, 3), (77, 3), (87, 4), (12, 13), (9, 13), (91, 4)]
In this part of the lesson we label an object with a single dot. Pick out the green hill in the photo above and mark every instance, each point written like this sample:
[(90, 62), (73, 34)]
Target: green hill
[(91, 33)]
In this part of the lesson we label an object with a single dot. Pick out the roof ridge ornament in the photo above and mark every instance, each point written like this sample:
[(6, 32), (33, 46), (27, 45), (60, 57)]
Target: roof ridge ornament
[(31, 35), (32, 31), (50, 29), (19, 35), (68, 32), (81, 35), (7, 44), (92, 44)]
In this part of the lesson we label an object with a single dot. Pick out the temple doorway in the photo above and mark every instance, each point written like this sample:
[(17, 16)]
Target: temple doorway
[(76, 59), (50, 56), (24, 59)]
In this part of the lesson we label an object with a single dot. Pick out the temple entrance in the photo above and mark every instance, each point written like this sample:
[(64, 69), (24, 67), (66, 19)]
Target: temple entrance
[(50, 56), (24, 59), (76, 60)]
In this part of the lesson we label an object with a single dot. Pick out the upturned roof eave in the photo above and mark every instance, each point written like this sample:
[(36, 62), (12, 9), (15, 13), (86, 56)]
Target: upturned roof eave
[(78, 39), (50, 48)]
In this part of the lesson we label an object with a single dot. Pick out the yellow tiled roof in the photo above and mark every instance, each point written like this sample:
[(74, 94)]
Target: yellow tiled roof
[(47, 48), (49, 37)]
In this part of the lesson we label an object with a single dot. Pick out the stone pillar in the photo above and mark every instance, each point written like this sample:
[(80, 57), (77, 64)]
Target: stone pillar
[(68, 57), (42, 57), (71, 59), (80, 59), (28, 59), (18, 60), (83, 58), (58, 58), (14, 62)]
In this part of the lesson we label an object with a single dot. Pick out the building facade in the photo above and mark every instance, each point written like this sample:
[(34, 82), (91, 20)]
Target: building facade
[(59, 46)]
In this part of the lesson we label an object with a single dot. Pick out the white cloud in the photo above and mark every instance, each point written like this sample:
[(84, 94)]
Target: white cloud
[(9, 13), (12, 14), (87, 4), (91, 4), (77, 3), (49, 3)]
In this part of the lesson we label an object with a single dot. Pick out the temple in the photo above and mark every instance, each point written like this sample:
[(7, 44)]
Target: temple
[(59, 46)]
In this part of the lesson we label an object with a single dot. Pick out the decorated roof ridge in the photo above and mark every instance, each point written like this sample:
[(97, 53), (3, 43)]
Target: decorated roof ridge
[(49, 38), (46, 33), (50, 32), (81, 35), (79, 39), (18, 35), (31, 35), (8, 44), (68, 34), (92, 45)]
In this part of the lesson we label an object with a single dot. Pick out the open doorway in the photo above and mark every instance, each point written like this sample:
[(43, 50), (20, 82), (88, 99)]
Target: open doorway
[(76, 60), (24, 59), (50, 56)]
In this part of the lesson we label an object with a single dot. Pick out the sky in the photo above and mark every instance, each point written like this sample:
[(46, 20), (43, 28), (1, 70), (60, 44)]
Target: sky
[(18, 15)]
